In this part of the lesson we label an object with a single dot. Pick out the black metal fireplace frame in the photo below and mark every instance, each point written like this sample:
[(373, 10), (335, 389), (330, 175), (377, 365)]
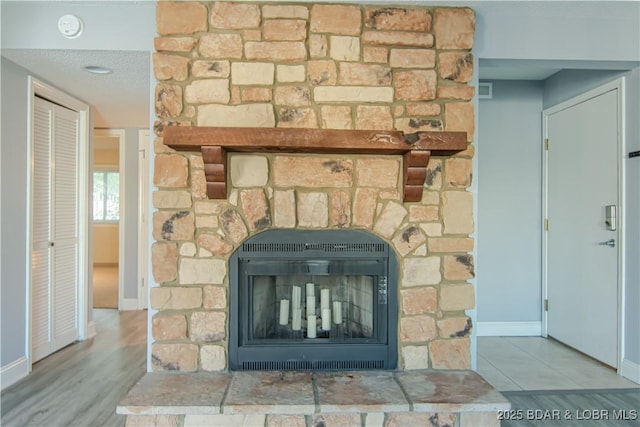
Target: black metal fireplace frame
[(297, 245)]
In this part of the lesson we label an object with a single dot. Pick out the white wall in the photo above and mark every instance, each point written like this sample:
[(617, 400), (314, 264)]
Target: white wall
[(130, 218), (14, 211), (105, 243), (509, 189), (106, 158), (108, 25), (578, 31)]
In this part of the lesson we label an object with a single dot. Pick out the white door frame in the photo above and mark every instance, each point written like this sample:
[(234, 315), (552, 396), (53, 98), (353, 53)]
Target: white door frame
[(120, 134), (43, 90), (143, 217), (618, 85)]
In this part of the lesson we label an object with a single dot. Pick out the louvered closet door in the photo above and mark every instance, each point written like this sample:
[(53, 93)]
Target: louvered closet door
[(65, 228), (41, 231), (55, 228)]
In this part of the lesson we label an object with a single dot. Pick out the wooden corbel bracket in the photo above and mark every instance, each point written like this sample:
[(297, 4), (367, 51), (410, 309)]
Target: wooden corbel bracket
[(215, 170), (214, 142)]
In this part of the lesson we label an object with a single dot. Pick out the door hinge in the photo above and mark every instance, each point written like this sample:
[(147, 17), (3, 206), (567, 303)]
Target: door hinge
[(546, 305), (546, 224), (546, 144)]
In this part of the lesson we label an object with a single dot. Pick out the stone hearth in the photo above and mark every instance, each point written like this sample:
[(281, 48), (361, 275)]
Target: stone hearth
[(296, 399), (315, 66)]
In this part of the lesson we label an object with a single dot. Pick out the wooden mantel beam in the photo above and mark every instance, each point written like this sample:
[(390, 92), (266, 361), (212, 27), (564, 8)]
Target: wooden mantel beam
[(215, 142)]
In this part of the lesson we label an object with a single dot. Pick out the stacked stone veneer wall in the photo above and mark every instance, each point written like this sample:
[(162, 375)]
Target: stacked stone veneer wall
[(311, 66)]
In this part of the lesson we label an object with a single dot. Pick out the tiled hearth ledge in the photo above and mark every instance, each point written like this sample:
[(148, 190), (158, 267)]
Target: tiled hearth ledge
[(292, 399)]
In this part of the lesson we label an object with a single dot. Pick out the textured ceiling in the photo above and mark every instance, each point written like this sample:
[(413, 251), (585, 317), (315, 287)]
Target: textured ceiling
[(118, 100)]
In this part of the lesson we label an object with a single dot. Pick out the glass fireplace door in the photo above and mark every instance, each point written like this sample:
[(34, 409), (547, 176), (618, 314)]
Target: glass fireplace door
[(313, 299), (314, 302)]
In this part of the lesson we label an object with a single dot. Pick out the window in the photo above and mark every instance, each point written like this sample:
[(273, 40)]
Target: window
[(106, 189)]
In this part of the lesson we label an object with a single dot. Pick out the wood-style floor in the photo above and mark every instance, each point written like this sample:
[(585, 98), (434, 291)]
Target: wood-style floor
[(81, 384), (580, 408)]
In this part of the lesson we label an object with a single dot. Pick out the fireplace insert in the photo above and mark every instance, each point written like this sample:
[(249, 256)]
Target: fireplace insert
[(313, 300)]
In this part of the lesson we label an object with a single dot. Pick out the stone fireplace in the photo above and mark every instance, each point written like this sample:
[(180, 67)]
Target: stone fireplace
[(311, 66)]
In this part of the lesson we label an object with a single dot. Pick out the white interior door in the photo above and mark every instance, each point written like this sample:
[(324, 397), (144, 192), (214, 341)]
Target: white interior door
[(581, 267), (55, 228)]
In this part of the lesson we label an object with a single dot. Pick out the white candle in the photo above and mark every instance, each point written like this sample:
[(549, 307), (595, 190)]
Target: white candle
[(311, 326), (311, 305), (296, 320), (284, 311), (326, 319), (295, 296), (311, 289), (337, 312), (324, 298)]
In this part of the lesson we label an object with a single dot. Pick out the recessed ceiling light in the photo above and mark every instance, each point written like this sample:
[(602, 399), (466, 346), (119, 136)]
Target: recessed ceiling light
[(97, 69)]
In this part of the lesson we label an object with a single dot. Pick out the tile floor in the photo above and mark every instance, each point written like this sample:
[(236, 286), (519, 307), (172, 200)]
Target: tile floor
[(536, 363)]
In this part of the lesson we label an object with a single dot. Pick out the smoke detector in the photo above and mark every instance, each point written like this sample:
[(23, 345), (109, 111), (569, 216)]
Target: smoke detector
[(70, 26)]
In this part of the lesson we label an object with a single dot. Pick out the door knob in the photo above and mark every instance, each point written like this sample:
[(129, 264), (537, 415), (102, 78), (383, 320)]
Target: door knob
[(610, 242)]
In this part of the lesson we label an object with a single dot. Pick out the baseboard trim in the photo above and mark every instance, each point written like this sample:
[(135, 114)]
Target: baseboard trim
[(509, 329), (630, 371), (129, 304), (13, 372)]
